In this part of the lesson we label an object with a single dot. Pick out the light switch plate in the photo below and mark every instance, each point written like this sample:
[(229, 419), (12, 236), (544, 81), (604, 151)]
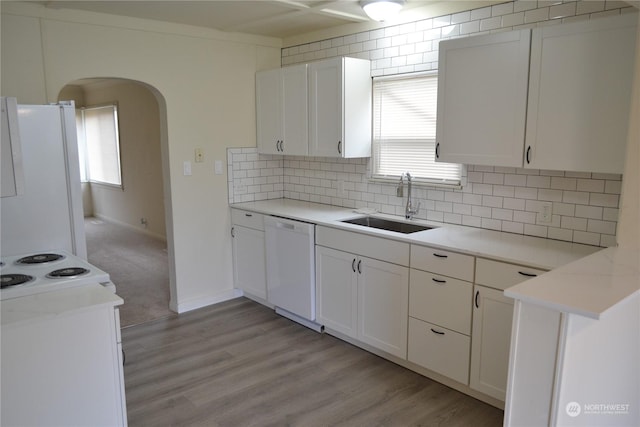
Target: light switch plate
[(186, 168), (218, 167)]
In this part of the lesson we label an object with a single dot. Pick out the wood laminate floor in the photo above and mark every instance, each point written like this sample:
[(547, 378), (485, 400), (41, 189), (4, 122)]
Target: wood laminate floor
[(239, 364)]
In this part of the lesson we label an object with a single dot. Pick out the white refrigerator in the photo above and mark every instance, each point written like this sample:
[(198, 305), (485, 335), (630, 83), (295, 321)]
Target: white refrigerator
[(40, 160)]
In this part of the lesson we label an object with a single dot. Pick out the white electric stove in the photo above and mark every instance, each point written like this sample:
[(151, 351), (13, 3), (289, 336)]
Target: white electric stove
[(47, 271)]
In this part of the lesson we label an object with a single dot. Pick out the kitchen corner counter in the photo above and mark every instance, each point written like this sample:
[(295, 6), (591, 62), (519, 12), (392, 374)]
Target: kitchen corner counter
[(544, 254), (588, 287), (48, 305)]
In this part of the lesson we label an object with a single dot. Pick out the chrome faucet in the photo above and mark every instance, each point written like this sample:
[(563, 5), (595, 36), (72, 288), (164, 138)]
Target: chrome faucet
[(409, 211)]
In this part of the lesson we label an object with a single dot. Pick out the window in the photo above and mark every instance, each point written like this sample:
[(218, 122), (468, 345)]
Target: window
[(99, 145), (404, 130)]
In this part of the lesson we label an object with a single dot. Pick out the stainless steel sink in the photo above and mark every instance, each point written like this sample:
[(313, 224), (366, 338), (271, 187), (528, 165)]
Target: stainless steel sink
[(387, 224)]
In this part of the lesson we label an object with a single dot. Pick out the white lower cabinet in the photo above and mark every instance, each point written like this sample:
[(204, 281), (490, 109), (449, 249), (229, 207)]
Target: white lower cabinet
[(363, 298), (249, 272), (491, 340), (492, 320), (439, 349), (337, 290), (383, 295)]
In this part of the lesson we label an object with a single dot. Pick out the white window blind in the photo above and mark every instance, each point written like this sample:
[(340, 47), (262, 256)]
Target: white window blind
[(404, 130), (102, 144)]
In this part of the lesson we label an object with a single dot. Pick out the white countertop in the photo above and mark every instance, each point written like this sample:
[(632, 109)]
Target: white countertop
[(47, 305), (544, 254), (588, 287)]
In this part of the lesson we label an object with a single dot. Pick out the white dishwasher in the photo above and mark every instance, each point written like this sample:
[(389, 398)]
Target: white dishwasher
[(291, 282)]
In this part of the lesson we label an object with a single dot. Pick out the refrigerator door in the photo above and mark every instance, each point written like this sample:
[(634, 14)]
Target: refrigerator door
[(48, 215)]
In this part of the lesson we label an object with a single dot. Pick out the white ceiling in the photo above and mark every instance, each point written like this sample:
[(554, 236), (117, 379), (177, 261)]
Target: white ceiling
[(282, 19)]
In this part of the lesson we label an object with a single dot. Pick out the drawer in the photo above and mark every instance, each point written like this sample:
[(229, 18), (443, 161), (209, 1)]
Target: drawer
[(247, 219), (442, 262), (441, 300), (379, 248), (500, 275), (440, 350)]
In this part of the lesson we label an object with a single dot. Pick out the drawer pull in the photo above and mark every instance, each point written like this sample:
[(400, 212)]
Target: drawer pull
[(441, 256), (527, 274), (438, 280), (437, 332), (248, 214)]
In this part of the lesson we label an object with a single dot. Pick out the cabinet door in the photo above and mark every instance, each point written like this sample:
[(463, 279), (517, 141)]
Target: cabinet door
[(269, 111), (249, 261), (336, 290), (579, 95), (383, 295), (295, 133), (326, 108), (482, 99), (490, 341)]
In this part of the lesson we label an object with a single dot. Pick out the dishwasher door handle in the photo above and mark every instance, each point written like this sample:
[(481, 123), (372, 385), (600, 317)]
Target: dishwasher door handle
[(286, 225)]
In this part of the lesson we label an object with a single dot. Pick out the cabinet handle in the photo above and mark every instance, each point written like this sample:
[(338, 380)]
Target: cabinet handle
[(233, 232), (477, 295), (353, 265), (278, 145), (282, 145), (527, 274), (441, 256), (359, 263), (248, 214), (438, 280), (339, 147), (437, 332), (528, 154), (438, 150)]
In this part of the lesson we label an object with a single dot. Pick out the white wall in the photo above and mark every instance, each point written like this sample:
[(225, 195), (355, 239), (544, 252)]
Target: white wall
[(204, 82)]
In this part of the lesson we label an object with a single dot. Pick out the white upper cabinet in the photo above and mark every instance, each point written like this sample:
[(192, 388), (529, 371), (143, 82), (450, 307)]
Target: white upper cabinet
[(579, 95), (282, 111), (482, 99), (340, 108), (568, 85)]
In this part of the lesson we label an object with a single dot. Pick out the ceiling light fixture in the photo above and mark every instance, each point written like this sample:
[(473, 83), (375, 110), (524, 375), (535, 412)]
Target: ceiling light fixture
[(381, 10)]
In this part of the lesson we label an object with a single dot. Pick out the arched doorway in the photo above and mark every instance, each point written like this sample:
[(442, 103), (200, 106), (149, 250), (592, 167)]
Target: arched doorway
[(128, 225)]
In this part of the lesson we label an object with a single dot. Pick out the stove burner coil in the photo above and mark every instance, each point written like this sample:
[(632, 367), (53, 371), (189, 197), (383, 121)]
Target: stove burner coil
[(67, 273), (39, 259), (8, 280)]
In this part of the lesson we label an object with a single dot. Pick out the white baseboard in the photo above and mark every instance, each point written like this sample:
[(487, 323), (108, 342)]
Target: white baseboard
[(130, 227), (204, 300)]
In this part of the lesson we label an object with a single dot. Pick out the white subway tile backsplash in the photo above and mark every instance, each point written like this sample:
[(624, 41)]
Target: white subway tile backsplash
[(536, 15), (581, 198), (605, 200), (512, 203), (593, 212), (562, 10), (513, 19), (591, 185), (502, 9), (586, 238)]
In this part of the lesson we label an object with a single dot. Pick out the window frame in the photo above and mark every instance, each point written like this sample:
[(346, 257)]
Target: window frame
[(417, 180), (115, 111)]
